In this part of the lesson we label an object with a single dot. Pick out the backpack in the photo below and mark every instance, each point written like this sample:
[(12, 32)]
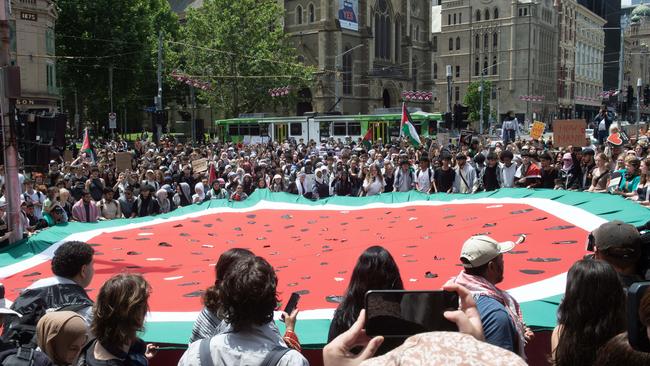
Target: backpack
[(272, 358)]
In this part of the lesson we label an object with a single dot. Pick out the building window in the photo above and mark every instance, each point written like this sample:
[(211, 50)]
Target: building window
[(451, 44), (486, 41), (449, 19), (487, 14), (417, 33), (460, 18), (49, 41), (476, 67), (496, 13), (298, 14), (383, 29), (398, 41), (51, 78), (295, 129), (312, 13), (457, 43), (477, 42), (457, 94), (495, 40), (485, 66), (435, 71), (435, 44), (478, 16), (347, 72), (455, 18), (457, 71), (494, 65)]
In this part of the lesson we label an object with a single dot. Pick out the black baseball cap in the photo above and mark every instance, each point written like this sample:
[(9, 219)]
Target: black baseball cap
[(618, 239)]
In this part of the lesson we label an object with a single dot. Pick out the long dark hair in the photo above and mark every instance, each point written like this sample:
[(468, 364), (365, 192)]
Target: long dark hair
[(592, 312), (375, 270), (225, 262)]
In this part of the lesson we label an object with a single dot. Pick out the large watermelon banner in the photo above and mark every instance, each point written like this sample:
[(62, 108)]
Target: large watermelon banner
[(314, 246)]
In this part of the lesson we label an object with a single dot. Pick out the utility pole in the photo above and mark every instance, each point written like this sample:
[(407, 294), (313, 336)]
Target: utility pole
[(639, 85), (193, 107), (621, 64), (158, 100), (449, 88), (480, 89), (7, 106), (110, 87)]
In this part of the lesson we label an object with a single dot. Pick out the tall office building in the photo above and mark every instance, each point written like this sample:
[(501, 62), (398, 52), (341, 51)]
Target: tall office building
[(610, 10)]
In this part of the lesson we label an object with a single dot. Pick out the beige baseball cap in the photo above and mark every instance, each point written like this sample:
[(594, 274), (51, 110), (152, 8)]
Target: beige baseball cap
[(480, 249)]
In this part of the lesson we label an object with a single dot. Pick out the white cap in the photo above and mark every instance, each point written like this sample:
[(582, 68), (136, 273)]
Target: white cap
[(479, 250)]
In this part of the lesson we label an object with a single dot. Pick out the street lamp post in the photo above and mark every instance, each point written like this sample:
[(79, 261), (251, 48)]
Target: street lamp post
[(449, 88), (639, 84), (480, 89)]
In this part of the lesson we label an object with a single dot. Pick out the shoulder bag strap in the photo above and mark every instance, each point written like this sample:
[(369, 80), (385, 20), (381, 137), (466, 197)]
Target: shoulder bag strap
[(460, 172), (273, 358), (204, 352)]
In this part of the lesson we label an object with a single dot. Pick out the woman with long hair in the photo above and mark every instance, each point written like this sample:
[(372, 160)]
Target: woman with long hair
[(375, 270), (630, 177), (642, 193), (591, 313), (118, 315), (600, 174), (389, 176), (374, 183)]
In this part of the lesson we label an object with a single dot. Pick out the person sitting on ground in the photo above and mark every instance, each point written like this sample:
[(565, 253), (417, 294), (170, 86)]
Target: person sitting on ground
[(85, 210), (122, 304), (375, 270), (199, 193), (238, 194), (183, 196), (109, 208), (56, 216), (600, 174), (583, 327), (163, 202), (146, 204), (619, 244), (482, 259), (62, 335), (73, 269), (247, 299), (218, 192)]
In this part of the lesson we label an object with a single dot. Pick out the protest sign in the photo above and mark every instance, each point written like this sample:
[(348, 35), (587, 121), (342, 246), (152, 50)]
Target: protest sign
[(123, 161), (200, 165), (466, 137), (569, 132), (537, 130)]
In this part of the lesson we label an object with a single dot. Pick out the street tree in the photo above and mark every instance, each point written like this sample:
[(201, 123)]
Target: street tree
[(93, 37), (473, 100), (241, 49)]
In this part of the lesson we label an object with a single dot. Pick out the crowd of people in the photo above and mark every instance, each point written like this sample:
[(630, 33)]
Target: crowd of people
[(162, 176), (61, 325)]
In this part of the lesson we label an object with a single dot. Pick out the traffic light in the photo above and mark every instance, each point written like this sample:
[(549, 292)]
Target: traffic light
[(630, 97), (447, 119), (646, 95)]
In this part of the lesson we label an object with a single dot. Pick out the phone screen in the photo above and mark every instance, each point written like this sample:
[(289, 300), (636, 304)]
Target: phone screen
[(636, 331), (394, 313)]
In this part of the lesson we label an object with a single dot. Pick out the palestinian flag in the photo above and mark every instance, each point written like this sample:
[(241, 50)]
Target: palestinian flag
[(367, 139), (86, 147), (213, 175), (407, 129)]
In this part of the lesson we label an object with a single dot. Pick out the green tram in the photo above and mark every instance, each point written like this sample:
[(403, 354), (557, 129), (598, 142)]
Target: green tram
[(253, 129)]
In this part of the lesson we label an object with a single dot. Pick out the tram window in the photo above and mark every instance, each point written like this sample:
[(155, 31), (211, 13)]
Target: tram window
[(418, 127), (340, 129), (324, 129), (244, 130), (264, 129), (233, 130), (354, 129), (295, 129), (254, 130)]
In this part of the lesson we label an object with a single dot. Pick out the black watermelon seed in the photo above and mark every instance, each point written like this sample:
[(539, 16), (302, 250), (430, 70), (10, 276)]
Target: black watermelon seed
[(305, 277), (429, 274), (198, 293), (303, 292), (485, 233), (311, 222), (251, 216), (359, 218), (521, 211), (195, 220), (286, 217), (118, 238), (327, 250), (117, 260), (560, 227), (133, 253), (304, 230), (490, 224), (184, 234), (334, 299), (164, 244), (411, 260), (541, 218), (436, 258), (565, 242), (518, 252), (133, 267), (251, 223), (448, 217), (33, 274), (212, 234), (544, 260), (344, 223), (323, 263), (219, 219), (292, 284), (531, 271), (288, 226), (207, 225), (267, 246), (237, 228), (95, 245), (178, 225), (142, 239), (197, 253), (185, 284), (411, 246), (324, 217)]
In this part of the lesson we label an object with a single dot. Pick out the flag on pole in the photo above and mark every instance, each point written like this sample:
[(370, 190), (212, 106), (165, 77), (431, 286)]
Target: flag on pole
[(213, 174), (86, 147), (407, 129), (367, 139)]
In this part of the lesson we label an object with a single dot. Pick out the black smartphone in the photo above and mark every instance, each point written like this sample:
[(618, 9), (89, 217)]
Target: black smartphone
[(401, 314), (636, 331), (291, 304)]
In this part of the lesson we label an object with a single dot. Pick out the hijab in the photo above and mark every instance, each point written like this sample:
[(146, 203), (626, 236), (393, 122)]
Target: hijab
[(200, 193), (567, 159), (185, 188), (57, 330)]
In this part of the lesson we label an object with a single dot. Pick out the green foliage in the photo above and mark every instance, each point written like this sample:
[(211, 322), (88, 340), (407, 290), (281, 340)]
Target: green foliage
[(101, 33), (241, 48), (473, 100)]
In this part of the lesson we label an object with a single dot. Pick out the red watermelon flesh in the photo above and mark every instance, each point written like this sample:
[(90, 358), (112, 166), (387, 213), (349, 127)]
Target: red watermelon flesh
[(314, 251)]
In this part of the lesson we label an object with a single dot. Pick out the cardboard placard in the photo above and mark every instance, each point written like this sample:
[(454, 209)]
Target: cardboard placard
[(537, 130), (200, 165), (123, 161), (442, 138), (569, 132), (67, 156)]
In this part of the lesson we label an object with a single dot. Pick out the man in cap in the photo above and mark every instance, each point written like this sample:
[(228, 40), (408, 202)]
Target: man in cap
[(618, 244), (482, 259)]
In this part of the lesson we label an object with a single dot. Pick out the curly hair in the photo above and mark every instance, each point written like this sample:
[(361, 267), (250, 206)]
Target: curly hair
[(226, 260), (120, 309), (247, 294), (70, 257)]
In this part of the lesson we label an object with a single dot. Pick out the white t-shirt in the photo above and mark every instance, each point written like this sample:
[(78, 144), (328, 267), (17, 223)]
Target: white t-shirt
[(423, 179), (508, 175), (36, 198), (373, 188)]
